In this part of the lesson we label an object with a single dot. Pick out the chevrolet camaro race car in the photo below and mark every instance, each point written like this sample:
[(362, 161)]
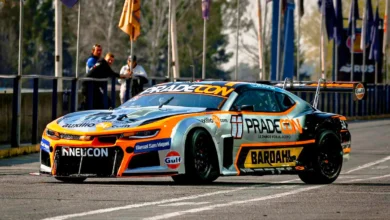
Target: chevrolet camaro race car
[(198, 131)]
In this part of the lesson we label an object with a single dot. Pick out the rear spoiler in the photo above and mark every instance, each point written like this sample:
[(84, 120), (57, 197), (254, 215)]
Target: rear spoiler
[(356, 88)]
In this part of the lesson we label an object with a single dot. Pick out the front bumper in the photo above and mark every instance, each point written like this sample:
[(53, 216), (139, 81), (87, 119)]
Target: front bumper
[(66, 158)]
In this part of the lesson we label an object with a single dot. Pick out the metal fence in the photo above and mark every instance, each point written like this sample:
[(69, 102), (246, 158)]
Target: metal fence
[(377, 101)]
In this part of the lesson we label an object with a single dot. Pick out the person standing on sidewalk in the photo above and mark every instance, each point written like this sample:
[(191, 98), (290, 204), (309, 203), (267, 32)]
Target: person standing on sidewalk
[(138, 72)]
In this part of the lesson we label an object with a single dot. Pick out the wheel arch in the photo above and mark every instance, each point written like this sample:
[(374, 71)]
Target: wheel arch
[(180, 134)]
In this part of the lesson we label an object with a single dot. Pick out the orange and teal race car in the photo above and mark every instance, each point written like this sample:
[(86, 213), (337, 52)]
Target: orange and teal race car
[(198, 131)]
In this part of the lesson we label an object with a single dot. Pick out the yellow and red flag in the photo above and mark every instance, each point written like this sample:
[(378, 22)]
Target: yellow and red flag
[(130, 21)]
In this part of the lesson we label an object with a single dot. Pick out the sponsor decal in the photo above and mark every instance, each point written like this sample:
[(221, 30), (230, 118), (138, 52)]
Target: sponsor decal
[(237, 126), (278, 157), (218, 121), (276, 170), (101, 116), (343, 125), (173, 160), (358, 68), (191, 88), (45, 145), (155, 145), (82, 125), (84, 152), (359, 91), (103, 126), (273, 126), (214, 119)]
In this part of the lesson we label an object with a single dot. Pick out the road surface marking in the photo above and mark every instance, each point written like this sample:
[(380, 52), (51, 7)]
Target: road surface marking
[(275, 196), (368, 165), (100, 211), (184, 203)]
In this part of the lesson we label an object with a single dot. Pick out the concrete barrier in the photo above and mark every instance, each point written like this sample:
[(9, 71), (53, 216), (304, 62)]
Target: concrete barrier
[(44, 114)]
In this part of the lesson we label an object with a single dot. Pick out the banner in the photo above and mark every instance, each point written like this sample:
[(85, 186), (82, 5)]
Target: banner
[(130, 21), (206, 9), (344, 60), (69, 3)]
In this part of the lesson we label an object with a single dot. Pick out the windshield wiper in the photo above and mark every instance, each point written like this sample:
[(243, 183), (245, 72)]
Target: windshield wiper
[(166, 102)]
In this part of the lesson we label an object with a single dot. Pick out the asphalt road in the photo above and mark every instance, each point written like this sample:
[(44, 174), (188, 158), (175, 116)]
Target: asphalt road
[(361, 192)]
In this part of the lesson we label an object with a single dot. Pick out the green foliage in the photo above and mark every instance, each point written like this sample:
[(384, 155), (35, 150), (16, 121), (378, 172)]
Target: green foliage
[(190, 41)]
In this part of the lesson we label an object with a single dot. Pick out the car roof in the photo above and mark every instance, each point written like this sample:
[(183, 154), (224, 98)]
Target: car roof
[(236, 85)]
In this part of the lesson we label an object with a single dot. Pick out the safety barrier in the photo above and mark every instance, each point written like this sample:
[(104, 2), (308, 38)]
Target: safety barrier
[(377, 101)]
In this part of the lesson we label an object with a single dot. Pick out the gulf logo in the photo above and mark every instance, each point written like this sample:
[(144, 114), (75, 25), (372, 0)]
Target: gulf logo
[(359, 91), (172, 160)]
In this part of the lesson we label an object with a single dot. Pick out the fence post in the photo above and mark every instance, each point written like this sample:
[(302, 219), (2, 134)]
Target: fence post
[(127, 94), (16, 99), (73, 95), (35, 100), (89, 104), (105, 95), (113, 94), (54, 100)]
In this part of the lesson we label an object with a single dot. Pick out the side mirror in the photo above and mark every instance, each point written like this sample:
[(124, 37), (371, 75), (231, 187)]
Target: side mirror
[(249, 108)]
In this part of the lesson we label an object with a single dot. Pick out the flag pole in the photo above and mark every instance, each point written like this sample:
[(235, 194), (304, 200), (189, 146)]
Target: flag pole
[(175, 53), (78, 41), (77, 53), (363, 41), (204, 48), (169, 42), (298, 39), (279, 38), (260, 40), (238, 32), (322, 47), (353, 43), (264, 35)]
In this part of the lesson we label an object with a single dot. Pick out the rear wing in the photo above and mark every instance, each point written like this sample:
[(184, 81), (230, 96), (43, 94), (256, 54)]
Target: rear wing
[(356, 88)]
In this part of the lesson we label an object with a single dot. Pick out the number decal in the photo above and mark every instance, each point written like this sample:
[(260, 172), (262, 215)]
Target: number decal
[(237, 126)]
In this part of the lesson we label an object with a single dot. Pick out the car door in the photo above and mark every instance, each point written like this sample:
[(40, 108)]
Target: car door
[(267, 140)]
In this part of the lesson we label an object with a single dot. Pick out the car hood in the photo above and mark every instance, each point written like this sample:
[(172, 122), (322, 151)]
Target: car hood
[(95, 120)]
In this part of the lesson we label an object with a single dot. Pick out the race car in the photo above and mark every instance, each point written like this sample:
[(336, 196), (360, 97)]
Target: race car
[(198, 131)]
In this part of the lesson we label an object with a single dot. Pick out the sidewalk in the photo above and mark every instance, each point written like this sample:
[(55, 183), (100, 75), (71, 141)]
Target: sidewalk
[(24, 149)]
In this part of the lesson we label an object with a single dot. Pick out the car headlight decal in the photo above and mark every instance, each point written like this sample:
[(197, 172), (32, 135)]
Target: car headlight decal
[(52, 134), (140, 134)]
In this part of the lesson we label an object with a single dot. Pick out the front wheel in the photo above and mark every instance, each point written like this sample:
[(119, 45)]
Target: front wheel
[(327, 161), (201, 161), (71, 179)]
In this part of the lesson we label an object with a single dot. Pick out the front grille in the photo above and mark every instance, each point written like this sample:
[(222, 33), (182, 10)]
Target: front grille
[(107, 139), (100, 166), (144, 160)]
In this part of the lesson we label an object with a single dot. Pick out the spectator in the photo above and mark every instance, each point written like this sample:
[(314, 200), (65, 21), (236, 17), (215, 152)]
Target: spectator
[(100, 70), (95, 56), (138, 72)]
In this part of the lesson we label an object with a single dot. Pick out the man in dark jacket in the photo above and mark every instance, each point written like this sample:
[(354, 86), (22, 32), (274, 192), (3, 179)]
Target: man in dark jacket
[(101, 70), (95, 56)]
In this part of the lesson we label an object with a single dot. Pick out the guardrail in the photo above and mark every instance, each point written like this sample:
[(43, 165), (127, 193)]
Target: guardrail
[(377, 100)]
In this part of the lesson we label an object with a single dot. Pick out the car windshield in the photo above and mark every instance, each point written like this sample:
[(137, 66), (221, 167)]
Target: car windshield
[(176, 99)]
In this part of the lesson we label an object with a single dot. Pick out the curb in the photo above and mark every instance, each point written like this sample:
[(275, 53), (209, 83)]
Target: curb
[(13, 152), (368, 118)]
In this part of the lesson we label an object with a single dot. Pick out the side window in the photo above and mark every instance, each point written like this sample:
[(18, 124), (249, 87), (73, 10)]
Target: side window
[(285, 102), (262, 100)]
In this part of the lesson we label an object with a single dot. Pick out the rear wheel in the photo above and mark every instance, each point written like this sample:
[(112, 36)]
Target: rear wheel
[(201, 159), (71, 179), (327, 161)]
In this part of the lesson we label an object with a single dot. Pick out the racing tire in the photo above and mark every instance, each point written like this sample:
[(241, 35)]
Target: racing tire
[(327, 161), (71, 179), (201, 161)]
